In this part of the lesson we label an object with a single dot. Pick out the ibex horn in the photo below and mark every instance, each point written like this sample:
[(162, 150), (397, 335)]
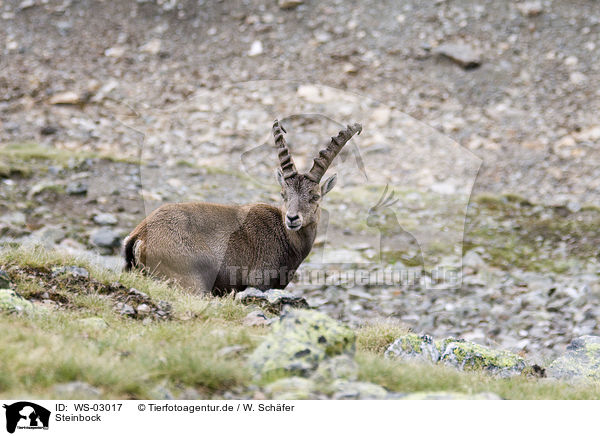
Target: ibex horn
[(327, 155), (285, 158)]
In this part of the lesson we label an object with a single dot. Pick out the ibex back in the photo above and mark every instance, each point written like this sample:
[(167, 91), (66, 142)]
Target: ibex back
[(209, 247)]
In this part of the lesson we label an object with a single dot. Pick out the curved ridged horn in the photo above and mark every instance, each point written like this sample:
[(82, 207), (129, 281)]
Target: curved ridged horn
[(327, 155), (285, 158)]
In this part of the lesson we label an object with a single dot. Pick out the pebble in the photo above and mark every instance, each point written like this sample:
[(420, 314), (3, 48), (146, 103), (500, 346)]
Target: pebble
[(105, 237), (125, 309), (289, 4), (66, 98), (463, 54), (143, 309), (255, 49), (77, 188), (151, 47), (105, 219), (531, 8), (115, 52)]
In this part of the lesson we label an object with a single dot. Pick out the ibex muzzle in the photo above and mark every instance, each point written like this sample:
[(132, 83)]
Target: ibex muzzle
[(218, 248)]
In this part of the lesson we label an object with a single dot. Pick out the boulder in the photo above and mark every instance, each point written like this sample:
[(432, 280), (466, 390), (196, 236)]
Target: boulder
[(461, 354), (299, 341), (466, 355), (581, 361), (414, 347)]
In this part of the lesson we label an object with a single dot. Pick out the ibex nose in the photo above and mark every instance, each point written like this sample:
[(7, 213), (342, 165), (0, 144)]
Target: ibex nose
[(293, 222)]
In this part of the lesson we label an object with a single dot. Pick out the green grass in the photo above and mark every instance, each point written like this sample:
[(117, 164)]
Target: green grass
[(128, 359), (135, 359), (19, 159), (426, 377)]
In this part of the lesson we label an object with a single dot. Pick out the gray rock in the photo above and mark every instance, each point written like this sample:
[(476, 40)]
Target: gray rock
[(347, 390), (466, 355), (291, 388), (531, 9), (289, 4), (461, 354), (77, 188), (26, 4), (46, 236), (76, 389), (106, 238), (125, 309), (463, 54), (17, 219), (4, 280), (299, 341), (66, 98), (74, 271), (580, 362), (44, 186), (255, 318), (414, 347), (342, 367), (105, 219), (273, 299), (151, 47), (12, 302), (473, 260), (143, 309), (138, 294)]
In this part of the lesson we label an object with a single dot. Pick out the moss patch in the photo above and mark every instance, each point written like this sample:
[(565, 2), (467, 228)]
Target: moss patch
[(515, 233)]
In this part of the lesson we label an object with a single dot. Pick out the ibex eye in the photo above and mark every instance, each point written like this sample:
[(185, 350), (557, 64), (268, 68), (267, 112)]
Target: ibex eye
[(315, 198)]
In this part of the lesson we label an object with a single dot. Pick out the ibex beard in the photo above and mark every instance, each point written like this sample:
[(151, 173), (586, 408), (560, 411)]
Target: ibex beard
[(217, 248)]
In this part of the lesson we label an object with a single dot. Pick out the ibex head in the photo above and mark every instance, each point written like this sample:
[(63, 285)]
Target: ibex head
[(379, 214), (302, 193)]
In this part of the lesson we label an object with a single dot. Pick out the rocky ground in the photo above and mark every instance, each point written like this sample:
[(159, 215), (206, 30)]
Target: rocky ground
[(108, 111), (254, 346)]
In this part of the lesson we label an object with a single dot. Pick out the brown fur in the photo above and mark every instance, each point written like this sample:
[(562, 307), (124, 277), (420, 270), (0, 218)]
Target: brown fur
[(217, 248)]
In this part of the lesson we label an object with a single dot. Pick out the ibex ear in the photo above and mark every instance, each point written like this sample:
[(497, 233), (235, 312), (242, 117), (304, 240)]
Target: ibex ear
[(328, 185), (280, 177)]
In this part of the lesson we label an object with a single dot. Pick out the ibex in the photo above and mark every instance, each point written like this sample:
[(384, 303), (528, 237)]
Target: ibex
[(216, 248)]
